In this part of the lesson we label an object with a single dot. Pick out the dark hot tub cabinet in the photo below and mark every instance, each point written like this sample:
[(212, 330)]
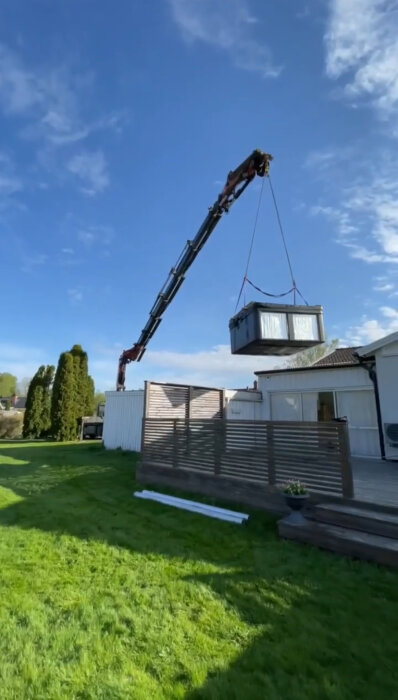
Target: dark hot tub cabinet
[(275, 329)]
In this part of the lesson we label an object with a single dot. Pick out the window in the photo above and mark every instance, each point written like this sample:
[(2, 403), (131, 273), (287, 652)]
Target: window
[(286, 406), (305, 327), (326, 406), (274, 326)]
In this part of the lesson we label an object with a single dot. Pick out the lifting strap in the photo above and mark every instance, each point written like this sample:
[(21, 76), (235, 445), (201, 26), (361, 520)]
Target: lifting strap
[(294, 287)]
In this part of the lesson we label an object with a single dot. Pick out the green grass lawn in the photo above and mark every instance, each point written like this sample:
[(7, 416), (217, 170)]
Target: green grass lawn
[(107, 596)]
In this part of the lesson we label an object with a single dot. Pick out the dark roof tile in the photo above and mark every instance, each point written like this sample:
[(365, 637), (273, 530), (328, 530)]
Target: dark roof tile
[(341, 356)]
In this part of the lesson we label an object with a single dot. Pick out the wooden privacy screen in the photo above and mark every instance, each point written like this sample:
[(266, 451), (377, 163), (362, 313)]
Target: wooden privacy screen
[(181, 401), (256, 453)]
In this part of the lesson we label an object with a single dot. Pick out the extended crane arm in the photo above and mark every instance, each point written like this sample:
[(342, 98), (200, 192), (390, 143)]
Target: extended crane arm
[(237, 181)]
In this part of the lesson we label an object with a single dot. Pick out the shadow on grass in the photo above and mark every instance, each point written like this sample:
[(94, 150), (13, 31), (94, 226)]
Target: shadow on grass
[(87, 492), (316, 620)]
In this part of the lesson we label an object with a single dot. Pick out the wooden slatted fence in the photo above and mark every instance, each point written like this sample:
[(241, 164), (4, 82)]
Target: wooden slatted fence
[(183, 401), (256, 453)]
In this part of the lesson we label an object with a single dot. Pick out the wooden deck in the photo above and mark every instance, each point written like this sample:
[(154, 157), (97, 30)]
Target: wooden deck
[(365, 527), (376, 481)]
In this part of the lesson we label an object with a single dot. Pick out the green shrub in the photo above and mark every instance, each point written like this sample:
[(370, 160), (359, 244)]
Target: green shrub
[(10, 425)]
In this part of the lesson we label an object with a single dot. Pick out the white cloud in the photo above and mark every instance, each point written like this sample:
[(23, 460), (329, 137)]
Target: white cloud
[(216, 361), (86, 237), (19, 89), (213, 367), (32, 261), (49, 100), (362, 49), (104, 235), (10, 183), (62, 136), (20, 361), (384, 287), (91, 168), (228, 27), (372, 329), (366, 213), (75, 296), (322, 159), (45, 98), (68, 251), (389, 312)]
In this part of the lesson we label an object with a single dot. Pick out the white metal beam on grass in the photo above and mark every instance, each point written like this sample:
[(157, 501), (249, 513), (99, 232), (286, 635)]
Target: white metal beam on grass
[(193, 506)]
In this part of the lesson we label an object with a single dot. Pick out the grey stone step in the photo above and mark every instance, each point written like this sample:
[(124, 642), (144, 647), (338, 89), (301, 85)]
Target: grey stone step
[(353, 543), (369, 520)]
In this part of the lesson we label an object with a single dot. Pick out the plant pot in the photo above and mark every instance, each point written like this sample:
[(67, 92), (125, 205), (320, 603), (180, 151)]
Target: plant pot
[(296, 503)]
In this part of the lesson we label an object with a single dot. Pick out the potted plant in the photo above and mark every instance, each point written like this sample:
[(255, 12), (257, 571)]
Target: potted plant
[(296, 496)]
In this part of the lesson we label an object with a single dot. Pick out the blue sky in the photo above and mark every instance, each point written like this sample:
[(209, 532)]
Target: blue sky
[(119, 123)]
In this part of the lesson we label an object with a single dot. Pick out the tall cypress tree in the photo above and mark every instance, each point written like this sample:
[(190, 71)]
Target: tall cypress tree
[(63, 403), (84, 398), (80, 368), (48, 379), (32, 423), (73, 394), (90, 407)]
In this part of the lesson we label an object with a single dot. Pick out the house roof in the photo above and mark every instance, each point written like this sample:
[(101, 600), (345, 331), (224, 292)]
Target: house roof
[(340, 358), (381, 343)]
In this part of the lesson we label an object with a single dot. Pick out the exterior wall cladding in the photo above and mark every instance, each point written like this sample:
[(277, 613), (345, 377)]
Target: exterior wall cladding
[(316, 380), (123, 420)]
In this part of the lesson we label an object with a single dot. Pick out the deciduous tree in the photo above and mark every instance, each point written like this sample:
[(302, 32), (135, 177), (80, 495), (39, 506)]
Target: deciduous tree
[(8, 384), (312, 355)]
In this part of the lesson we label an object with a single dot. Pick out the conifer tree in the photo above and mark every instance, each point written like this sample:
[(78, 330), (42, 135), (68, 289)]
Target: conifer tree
[(72, 394), (32, 423), (84, 385), (63, 403), (90, 403), (48, 379), (36, 421)]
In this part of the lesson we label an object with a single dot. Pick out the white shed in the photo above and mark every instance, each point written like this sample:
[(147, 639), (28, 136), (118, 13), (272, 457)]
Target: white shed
[(123, 420)]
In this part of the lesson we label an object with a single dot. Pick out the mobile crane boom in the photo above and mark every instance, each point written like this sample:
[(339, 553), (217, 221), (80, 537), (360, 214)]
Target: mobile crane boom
[(237, 181)]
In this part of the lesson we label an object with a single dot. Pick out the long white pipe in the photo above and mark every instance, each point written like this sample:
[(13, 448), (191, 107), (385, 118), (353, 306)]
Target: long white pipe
[(180, 502), (193, 506), (203, 505)]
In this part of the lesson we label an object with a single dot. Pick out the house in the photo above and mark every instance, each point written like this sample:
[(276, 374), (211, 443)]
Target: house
[(17, 403), (359, 384)]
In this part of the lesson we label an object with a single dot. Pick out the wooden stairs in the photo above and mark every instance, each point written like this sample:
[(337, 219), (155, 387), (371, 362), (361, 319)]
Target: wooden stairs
[(359, 530)]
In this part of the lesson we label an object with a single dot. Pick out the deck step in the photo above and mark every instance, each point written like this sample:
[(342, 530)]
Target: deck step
[(369, 520), (343, 540)]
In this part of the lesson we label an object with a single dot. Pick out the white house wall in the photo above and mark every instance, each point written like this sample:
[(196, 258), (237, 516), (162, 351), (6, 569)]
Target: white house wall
[(243, 410), (315, 380), (243, 405), (123, 420), (294, 395), (387, 378)]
